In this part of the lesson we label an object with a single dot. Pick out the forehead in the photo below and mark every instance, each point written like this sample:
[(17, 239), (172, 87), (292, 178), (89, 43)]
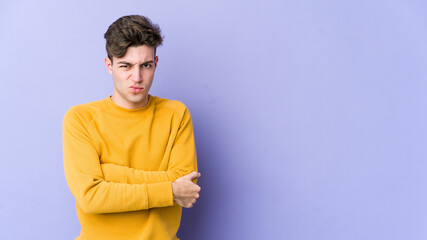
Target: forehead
[(137, 54)]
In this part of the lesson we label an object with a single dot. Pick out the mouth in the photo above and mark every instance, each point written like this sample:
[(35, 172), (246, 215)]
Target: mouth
[(136, 89)]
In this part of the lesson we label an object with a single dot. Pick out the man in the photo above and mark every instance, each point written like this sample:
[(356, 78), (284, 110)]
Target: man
[(130, 159)]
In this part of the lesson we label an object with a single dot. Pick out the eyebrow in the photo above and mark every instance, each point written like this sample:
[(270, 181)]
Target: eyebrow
[(128, 63)]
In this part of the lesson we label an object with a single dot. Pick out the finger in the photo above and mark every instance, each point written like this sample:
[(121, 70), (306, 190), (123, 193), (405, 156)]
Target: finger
[(192, 175)]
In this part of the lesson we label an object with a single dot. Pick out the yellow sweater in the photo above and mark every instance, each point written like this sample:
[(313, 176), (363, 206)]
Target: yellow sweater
[(120, 164)]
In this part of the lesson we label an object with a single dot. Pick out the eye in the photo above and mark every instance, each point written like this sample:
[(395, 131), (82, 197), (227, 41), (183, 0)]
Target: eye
[(146, 65), (124, 66)]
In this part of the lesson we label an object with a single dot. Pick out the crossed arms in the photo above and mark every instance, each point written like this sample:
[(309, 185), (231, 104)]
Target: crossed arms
[(184, 189), (109, 188)]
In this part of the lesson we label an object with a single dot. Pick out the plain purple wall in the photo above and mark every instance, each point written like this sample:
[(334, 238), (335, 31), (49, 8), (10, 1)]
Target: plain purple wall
[(310, 116)]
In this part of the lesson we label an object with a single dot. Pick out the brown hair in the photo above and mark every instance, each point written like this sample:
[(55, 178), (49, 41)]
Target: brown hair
[(131, 31)]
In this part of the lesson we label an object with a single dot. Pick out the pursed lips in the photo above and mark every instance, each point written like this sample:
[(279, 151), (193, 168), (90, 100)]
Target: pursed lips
[(135, 89)]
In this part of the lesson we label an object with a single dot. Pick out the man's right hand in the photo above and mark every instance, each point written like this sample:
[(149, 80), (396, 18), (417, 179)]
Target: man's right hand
[(185, 192)]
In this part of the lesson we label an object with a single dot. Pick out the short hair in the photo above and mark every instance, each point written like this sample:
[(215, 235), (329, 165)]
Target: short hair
[(131, 31)]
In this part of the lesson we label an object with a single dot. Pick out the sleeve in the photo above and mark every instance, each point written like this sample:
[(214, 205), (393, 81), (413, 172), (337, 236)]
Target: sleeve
[(183, 160), (124, 174), (86, 180)]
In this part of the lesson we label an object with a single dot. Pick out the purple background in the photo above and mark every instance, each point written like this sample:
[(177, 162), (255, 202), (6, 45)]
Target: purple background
[(310, 118)]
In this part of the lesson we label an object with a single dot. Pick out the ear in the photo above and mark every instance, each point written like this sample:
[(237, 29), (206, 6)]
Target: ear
[(109, 65), (156, 59)]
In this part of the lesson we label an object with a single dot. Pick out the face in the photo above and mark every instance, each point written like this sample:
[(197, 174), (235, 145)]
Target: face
[(133, 75)]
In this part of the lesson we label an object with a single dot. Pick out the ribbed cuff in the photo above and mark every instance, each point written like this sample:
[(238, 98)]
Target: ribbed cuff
[(160, 194)]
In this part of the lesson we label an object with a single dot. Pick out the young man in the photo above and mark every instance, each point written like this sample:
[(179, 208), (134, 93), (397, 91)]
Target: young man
[(130, 159)]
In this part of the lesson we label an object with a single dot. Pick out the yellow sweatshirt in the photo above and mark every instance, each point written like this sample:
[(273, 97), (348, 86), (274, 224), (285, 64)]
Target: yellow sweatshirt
[(120, 164)]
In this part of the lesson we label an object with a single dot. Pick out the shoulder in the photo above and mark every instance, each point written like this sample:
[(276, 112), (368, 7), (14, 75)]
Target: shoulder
[(83, 113), (174, 106), (172, 109)]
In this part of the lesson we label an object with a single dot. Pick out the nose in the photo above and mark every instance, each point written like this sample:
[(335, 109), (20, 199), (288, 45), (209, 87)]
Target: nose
[(136, 75)]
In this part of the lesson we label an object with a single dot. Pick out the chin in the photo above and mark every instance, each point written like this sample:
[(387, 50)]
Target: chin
[(137, 98)]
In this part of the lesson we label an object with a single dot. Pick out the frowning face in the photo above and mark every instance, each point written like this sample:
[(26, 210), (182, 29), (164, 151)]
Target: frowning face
[(132, 75)]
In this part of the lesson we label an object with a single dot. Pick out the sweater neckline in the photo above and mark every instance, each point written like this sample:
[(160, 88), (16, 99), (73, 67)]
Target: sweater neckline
[(114, 106)]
